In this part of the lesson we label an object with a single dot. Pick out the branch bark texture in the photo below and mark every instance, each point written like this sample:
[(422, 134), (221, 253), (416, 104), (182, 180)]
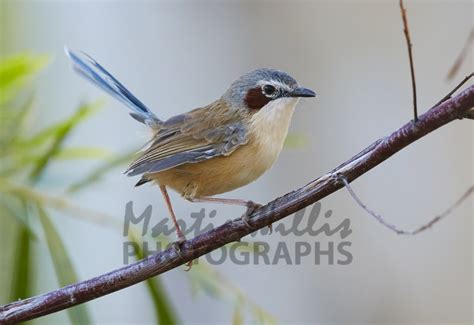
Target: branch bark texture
[(457, 107)]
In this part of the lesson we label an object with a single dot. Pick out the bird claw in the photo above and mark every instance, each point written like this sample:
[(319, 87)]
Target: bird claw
[(245, 218), (177, 245), (189, 265), (251, 207)]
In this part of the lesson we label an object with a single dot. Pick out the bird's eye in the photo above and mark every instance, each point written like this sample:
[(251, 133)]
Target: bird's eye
[(269, 90)]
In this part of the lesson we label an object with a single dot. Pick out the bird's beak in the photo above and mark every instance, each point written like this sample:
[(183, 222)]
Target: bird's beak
[(301, 92)]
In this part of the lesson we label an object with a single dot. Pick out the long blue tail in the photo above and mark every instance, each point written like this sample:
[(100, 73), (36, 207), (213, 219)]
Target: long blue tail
[(94, 72)]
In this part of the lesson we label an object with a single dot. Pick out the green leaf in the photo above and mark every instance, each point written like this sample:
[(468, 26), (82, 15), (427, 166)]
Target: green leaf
[(205, 278), (163, 309), (33, 196), (22, 266), (16, 164), (84, 111), (18, 266), (13, 122), (16, 209), (97, 173), (65, 272), (16, 71), (59, 133), (75, 153)]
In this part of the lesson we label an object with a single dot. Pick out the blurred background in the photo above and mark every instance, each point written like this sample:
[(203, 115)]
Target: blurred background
[(176, 56)]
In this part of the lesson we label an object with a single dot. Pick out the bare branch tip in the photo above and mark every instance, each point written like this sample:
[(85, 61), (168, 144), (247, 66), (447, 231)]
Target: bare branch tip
[(406, 31), (394, 228)]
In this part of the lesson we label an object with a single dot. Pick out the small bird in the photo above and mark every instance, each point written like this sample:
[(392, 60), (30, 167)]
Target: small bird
[(212, 149)]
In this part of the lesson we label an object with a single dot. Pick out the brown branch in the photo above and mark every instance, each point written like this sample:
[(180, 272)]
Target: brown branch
[(394, 228), (406, 31), (461, 57), (161, 262)]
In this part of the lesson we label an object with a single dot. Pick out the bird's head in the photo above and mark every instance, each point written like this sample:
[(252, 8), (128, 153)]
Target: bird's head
[(256, 89)]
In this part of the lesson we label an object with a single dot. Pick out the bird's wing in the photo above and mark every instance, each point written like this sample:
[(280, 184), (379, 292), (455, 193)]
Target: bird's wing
[(199, 135)]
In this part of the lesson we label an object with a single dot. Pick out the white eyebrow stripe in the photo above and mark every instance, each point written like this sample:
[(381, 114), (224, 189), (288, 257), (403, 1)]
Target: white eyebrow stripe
[(275, 83)]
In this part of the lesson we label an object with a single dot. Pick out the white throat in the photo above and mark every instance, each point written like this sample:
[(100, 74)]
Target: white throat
[(276, 114), (270, 124)]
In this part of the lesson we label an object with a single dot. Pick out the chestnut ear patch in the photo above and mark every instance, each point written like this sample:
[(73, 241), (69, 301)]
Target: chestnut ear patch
[(255, 99)]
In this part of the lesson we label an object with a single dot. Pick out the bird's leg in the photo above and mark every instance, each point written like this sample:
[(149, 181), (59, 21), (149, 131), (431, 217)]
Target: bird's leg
[(179, 233), (251, 205)]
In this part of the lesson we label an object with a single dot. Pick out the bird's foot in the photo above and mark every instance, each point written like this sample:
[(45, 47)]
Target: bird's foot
[(177, 245), (251, 207), (189, 265), (270, 228)]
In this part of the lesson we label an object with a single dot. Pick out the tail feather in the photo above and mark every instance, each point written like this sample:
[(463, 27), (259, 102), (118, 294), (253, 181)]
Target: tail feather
[(94, 72)]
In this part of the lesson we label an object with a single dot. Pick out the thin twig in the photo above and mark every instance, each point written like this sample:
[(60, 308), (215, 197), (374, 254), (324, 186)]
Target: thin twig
[(394, 228), (163, 261), (461, 57), (448, 96), (410, 56)]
